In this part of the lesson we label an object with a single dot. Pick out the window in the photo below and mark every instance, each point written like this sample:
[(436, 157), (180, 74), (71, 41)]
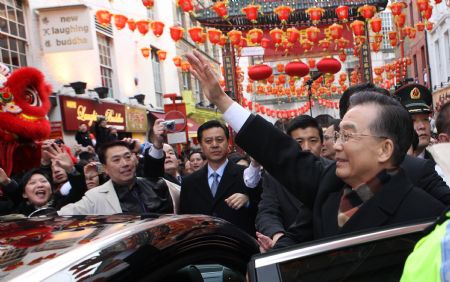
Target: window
[(387, 26), (447, 52), (411, 15), (198, 91), (186, 80), (106, 69), (12, 34), (156, 67), (437, 51), (180, 18)]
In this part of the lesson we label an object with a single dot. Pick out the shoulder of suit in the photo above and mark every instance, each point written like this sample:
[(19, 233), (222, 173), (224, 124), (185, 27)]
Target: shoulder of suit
[(100, 189)]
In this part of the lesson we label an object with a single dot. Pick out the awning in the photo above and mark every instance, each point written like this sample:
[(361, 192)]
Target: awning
[(192, 127), (158, 114)]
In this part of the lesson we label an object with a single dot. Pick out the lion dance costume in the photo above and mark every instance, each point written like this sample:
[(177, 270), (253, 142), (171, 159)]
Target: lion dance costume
[(24, 104)]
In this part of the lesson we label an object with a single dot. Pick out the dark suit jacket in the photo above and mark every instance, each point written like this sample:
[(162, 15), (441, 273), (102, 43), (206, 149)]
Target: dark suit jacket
[(154, 168), (320, 189), (196, 197)]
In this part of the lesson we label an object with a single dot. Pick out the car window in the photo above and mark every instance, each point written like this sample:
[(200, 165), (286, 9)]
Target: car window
[(381, 260)]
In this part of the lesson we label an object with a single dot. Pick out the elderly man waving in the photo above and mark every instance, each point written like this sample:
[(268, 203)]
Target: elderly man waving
[(364, 188)]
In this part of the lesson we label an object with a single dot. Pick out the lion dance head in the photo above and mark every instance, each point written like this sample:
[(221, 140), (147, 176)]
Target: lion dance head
[(24, 104)]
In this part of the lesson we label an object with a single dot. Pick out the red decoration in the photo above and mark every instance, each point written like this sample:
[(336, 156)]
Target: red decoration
[(306, 44), (420, 26), (235, 36), (357, 28), (312, 33), (196, 34), (251, 12), (259, 72), (185, 66), (103, 17), (422, 5), (148, 3), (324, 44), (161, 55), (375, 47), (329, 65), (375, 24), (342, 43), (429, 26), (265, 43), (142, 26), (186, 5), (283, 13), (342, 13), (292, 35), (336, 31), (120, 21), (427, 13), (392, 35), (342, 56), (397, 7), (296, 68), (176, 33), (223, 40), (280, 67), (221, 9), (214, 35), (243, 42), (393, 41), (400, 20), (315, 14), (255, 35), (367, 11), (131, 24), (378, 38), (276, 35), (311, 63), (177, 61), (146, 51), (157, 27)]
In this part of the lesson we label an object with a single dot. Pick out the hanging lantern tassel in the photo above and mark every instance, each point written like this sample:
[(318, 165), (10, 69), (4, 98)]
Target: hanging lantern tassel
[(161, 55)]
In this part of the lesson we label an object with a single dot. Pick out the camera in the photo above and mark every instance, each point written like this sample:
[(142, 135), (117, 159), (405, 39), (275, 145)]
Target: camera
[(168, 124)]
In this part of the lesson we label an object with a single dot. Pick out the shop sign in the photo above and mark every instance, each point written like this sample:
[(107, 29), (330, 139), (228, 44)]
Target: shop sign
[(75, 111), (64, 29), (440, 97), (136, 119)]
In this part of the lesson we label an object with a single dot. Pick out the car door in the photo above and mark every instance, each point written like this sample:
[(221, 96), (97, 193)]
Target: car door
[(374, 256)]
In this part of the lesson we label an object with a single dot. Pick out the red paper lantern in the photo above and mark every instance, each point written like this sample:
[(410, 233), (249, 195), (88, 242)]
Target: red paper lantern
[(196, 34), (342, 56), (276, 35), (324, 44), (393, 42), (297, 69), (342, 43), (176, 33), (400, 20), (392, 35), (336, 31), (280, 67), (378, 38), (142, 26), (427, 13), (120, 21), (259, 72), (186, 5), (342, 13), (311, 63), (367, 11), (315, 14), (422, 5), (359, 40), (412, 33), (375, 24), (283, 13), (397, 7), (157, 27), (312, 33), (146, 51), (429, 26), (292, 35), (221, 9), (131, 24), (235, 36), (177, 61), (203, 36), (329, 65), (161, 55), (148, 3), (103, 17), (185, 66), (223, 40), (375, 47), (251, 12), (306, 44), (420, 26), (265, 43), (214, 35), (357, 28), (255, 35), (243, 42)]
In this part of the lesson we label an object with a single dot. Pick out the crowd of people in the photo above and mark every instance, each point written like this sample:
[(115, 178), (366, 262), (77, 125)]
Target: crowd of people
[(288, 184)]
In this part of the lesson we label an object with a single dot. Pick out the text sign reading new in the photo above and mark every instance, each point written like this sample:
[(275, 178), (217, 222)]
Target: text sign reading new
[(65, 29)]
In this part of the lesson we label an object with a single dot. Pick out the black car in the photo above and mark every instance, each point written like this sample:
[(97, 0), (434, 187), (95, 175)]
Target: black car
[(377, 255), (124, 248)]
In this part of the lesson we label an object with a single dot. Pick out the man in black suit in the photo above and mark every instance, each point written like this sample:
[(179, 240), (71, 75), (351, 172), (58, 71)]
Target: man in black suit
[(218, 188), (365, 188)]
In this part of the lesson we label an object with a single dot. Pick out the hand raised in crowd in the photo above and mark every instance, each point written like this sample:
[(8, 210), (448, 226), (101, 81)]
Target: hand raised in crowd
[(201, 69), (4, 179), (159, 132), (60, 157), (236, 201), (134, 144), (45, 156)]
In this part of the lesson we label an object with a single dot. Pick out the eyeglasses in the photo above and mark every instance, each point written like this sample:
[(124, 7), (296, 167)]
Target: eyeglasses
[(344, 136)]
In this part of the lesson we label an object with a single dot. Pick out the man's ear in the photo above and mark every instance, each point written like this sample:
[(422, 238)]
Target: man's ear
[(386, 150), (443, 138)]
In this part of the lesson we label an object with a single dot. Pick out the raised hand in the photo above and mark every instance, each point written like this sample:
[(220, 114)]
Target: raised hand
[(158, 131), (201, 69), (60, 157), (4, 179)]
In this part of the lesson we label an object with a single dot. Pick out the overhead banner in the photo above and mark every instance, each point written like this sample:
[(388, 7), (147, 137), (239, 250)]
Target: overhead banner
[(136, 119), (75, 111), (66, 28)]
